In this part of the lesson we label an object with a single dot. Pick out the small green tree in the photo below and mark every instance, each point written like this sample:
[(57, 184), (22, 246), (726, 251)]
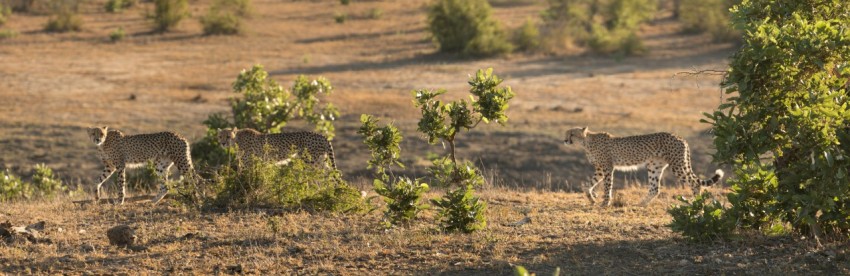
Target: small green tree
[(786, 127), (45, 183), (12, 187), (442, 122), (467, 27), (402, 194), (267, 107), (168, 13), (225, 16)]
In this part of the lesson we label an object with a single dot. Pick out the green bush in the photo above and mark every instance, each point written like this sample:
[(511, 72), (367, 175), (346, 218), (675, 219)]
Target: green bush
[(168, 13), (402, 196), (64, 16), (12, 188), (117, 35), (45, 184), (5, 11), (527, 36), (375, 13), (442, 122), (297, 185), (225, 16), (785, 125), (701, 221), (605, 27), (6, 34), (116, 6), (711, 16), (466, 27), (266, 107), (340, 17)]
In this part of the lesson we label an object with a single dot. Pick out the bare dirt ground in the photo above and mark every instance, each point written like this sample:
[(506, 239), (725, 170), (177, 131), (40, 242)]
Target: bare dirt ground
[(55, 85)]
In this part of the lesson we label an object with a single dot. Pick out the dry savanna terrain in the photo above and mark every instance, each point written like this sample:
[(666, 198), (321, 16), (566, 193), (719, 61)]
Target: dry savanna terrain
[(52, 86)]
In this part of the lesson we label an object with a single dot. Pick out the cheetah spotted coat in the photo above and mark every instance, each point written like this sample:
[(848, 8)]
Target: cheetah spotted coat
[(119, 151), (656, 151), (253, 143)]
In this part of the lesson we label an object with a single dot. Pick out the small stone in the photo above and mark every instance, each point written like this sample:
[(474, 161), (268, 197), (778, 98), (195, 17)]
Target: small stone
[(684, 262)]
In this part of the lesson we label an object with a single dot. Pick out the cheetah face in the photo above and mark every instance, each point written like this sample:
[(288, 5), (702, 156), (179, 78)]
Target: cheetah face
[(226, 137), (97, 134), (575, 135)]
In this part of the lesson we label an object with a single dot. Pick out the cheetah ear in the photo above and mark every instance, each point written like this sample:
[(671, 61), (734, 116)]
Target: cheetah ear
[(105, 128), (584, 131)]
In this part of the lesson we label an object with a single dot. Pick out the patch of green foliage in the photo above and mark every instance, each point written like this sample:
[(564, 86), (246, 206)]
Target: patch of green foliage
[(5, 11), (117, 35), (467, 27), (168, 13), (401, 194), (603, 26), (703, 219), (786, 124), (115, 6), (527, 36), (711, 16), (44, 185), (64, 16), (225, 16), (459, 209)]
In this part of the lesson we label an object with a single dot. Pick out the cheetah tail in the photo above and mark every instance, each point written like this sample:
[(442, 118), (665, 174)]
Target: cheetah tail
[(718, 174)]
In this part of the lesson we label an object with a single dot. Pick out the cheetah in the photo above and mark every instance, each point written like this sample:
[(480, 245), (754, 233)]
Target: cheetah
[(119, 151), (252, 143), (656, 151)]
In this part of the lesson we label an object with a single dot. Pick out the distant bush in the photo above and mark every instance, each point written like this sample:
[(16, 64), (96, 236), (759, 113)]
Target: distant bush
[(64, 16), (5, 11), (710, 16), (340, 17), (44, 185), (5, 34), (118, 5), (527, 36), (467, 27), (345, 2), (168, 13), (606, 27), (225, 16), (295, 185), (117, 35), (701, 221), (375, 13)]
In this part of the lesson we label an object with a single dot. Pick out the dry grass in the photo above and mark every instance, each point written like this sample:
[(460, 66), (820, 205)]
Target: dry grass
[(564, 232)]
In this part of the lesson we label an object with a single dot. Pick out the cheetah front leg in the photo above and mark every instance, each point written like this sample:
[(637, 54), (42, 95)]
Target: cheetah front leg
[(598, 177), (609, 186), (107, 172), (122, 183)]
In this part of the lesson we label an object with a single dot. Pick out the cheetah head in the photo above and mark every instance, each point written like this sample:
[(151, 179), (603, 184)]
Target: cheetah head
[(575, 135), (97, 134), (226, 137)]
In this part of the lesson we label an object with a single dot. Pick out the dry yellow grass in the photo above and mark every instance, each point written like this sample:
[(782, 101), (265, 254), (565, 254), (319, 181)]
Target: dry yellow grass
[(564, 231)]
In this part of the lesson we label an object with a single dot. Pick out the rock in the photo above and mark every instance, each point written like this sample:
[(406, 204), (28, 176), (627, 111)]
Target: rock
[(121, 235)]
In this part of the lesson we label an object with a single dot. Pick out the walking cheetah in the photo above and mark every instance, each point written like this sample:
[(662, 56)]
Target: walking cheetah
[(252, 143), (658, 150), (119, 151)]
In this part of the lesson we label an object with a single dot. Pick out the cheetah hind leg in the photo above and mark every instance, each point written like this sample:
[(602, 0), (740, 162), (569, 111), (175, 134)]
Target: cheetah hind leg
[(162, 168)]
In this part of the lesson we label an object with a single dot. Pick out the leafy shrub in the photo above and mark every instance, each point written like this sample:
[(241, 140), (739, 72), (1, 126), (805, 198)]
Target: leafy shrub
[(786, 127), (5, 11), (606, 27), (340, 17), (527, 37), (144, 178), (293, 186), (345, 2), (402, 196), (11, 187), (225, 16), (45, 184), (168, 13), (116, 6), (375, 13), (701, 221), (459, 209), (64, 16), (711, 16), (117, 35), (5, 34), (266, 107), (466, 27)]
